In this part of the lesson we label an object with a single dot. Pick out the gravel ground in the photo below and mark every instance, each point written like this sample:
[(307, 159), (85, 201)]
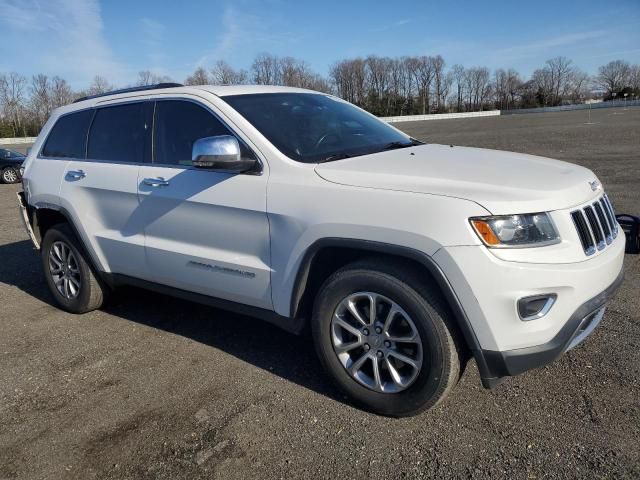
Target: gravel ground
[(153, 387)]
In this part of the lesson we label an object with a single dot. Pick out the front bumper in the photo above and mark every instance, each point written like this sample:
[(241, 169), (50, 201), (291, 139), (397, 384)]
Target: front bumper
[(513, 362), (488, 289)]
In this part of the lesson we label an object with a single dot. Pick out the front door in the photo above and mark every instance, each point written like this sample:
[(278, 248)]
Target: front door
[(205, 232)]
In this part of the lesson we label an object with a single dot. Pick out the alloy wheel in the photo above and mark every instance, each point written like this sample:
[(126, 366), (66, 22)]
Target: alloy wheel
[(376, 342), (64, 270), (9, 175)]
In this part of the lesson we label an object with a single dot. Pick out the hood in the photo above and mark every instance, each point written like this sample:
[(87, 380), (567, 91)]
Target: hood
[(502, 182)]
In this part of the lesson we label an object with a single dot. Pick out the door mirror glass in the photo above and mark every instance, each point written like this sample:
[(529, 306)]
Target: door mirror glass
[(220, 153)]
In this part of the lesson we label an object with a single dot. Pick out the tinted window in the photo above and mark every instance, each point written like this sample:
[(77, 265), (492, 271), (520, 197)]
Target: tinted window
[(119, 133), (68, 136), (9, 154), (310, 127), (177, 125)]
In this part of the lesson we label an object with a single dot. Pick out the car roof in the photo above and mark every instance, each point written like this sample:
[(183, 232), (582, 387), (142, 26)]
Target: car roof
[(218, 90), (224, 90)]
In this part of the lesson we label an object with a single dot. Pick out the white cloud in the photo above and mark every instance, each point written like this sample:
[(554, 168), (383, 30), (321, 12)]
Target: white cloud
[(153, 33), (226, 42), (392, 25), (64, 37), (243, 32), (542, 46)]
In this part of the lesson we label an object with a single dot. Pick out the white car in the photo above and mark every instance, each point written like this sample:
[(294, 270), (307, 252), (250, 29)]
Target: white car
[(405, 259)]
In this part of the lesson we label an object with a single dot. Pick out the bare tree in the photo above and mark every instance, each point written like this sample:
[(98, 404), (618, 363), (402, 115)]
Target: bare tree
[(477, 87), (544, 86), (61, 93), (13, 101), (577, 87), (198, 77), (266, 70), (560, 70), (147, 77), (634, 78), (349, 78), (613, 76), (224, 74), (397, 81), (458, 78), (40, 101), (99, 85), (507, 85), (422, 69), (442, 82)]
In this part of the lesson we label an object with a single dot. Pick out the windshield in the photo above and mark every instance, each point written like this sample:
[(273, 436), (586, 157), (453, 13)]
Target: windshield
[(311, 128)]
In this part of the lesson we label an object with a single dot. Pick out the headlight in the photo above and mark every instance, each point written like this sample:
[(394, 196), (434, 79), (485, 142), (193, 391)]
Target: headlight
[(527, 230)]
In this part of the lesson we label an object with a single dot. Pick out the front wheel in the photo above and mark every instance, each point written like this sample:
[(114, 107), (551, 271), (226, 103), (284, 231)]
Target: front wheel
[(385, 336)]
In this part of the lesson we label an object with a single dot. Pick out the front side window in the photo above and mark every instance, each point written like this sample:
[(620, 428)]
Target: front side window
[(119, 133), (68, 136), (310, 127), (178, 124)]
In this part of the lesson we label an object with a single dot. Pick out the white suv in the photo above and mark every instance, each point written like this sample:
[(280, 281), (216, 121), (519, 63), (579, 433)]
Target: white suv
[(405, 259)]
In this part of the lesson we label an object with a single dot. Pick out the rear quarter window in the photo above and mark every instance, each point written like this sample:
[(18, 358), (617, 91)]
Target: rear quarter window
[(68, 136)]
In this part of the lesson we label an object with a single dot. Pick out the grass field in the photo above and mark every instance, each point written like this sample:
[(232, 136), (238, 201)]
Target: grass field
[(153, 387)]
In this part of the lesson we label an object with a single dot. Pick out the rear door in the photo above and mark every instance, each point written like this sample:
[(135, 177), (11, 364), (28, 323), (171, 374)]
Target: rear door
[(101, 191), (205, 231), (66, 140)]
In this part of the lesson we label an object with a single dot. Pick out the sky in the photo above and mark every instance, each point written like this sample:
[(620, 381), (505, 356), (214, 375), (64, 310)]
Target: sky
[(77, 39)]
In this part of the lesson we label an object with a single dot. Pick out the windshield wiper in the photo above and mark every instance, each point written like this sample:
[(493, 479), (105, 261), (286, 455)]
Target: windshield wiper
[(392, 145), (335, 156)]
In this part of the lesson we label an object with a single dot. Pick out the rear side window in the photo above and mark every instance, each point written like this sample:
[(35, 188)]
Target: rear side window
[(178, 124), (68, 136), (119, 133)]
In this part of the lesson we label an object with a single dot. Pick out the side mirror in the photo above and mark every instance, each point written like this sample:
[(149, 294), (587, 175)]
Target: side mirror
[(221, 153)]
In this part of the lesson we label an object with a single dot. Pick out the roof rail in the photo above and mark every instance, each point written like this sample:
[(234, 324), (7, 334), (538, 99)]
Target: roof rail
[(130, 89)]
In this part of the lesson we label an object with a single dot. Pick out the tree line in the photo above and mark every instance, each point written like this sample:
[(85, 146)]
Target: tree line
[(384, 86)]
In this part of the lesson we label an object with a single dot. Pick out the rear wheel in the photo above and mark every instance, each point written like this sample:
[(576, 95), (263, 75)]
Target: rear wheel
[(10, 175), (69, 276), (384, 335)]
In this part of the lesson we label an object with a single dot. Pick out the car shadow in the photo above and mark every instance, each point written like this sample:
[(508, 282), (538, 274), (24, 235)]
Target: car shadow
[(251, 340)]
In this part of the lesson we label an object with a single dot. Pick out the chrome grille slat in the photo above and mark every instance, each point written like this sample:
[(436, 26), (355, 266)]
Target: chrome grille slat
[(580, 222), (609, 205), (606, 229), (596, 230), (596, 225), (607, 214)]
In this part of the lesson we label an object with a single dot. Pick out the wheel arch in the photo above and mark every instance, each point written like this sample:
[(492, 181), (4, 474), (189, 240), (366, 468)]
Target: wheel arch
[(45, 216), (326, 255)]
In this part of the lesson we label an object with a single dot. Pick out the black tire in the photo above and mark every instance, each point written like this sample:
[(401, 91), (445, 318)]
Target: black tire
[(92, 292), (443, 358), (6, 172)]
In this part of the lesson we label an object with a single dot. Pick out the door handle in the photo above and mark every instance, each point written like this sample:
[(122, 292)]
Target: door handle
[(76, 174), (156, 182)]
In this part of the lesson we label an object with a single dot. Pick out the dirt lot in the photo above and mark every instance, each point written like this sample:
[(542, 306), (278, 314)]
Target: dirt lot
[(152, 387)]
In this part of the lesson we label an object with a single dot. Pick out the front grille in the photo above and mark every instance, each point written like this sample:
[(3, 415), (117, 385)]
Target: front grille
[(596, 225)]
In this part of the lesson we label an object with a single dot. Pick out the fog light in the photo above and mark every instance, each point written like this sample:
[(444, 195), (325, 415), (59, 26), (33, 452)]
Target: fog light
[(536, 306)]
